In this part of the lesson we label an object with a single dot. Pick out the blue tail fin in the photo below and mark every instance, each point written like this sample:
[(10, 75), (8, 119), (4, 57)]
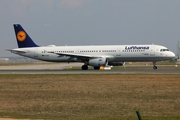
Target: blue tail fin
[(23, 38)]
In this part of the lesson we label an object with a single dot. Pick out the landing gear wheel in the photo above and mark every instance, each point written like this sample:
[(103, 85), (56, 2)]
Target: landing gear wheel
[(96, 68), (84, 67), (155, 67)]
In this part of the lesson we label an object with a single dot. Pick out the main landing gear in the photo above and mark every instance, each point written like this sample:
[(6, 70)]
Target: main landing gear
[(84, 67), (96, 68), (154, 67)]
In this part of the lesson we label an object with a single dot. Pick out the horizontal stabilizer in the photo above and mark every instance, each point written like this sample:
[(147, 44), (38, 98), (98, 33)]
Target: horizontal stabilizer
[(17, 50)]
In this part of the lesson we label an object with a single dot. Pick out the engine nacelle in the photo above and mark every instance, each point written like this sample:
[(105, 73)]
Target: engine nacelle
[(116, 63), (97, 62)]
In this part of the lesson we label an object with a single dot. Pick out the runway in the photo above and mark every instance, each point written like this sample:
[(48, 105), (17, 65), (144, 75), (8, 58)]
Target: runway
[(59, 71), (65, 69)]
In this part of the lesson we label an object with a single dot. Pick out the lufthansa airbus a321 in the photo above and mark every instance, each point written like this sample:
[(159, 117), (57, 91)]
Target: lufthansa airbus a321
[(95, 56)]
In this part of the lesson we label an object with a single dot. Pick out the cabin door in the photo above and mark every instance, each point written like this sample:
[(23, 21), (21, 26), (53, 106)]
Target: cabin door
[(118, 52), (152, 51)]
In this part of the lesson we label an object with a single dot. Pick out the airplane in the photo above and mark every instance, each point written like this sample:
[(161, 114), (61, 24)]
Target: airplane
[(96, 56)]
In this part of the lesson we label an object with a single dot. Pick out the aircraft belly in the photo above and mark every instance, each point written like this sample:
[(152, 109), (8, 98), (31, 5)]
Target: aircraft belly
[(139, 59)]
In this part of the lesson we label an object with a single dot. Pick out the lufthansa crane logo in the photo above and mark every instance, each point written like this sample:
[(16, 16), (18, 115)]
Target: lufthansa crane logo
[(21, 36)]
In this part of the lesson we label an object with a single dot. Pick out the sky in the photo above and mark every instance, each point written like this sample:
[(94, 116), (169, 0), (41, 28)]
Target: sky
[(91, 22)]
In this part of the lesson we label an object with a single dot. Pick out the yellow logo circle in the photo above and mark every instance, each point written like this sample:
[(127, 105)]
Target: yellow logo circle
[(21, 36)]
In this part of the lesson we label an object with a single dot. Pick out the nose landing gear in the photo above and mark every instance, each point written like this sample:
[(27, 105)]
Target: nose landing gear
[(154, 67)]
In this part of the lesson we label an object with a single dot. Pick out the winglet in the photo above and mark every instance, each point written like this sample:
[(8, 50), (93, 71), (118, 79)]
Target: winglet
[(22, 37)]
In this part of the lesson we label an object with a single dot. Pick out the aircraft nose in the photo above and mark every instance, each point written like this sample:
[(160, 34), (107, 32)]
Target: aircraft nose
[(171, 54)]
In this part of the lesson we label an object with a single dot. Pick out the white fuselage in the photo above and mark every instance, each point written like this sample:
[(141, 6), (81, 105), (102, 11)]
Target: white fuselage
[(113, 53)]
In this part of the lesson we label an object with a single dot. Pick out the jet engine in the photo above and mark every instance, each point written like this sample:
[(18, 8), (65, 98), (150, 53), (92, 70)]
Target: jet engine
[(98, 62), (116, 63)]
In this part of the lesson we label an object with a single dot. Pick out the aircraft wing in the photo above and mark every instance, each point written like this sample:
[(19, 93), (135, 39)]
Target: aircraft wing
[(79, 56), (74, 55)]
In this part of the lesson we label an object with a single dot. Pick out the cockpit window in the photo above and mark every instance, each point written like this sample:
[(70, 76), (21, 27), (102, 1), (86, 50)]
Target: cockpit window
[(162, 50)]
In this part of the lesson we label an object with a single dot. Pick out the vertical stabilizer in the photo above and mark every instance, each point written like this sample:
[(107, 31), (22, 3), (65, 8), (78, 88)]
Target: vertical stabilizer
[(22, 37)]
